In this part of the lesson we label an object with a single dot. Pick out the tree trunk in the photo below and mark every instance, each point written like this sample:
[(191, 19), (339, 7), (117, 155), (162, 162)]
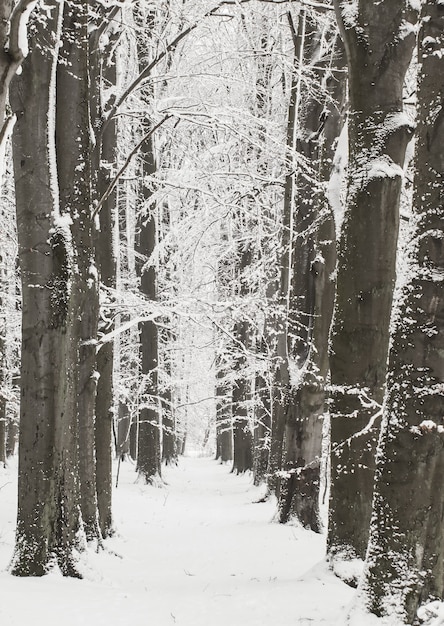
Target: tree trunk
[(242, 431), (242, 434), (11, 435), (406, 568), (379, 46), (262, 430), (3, 418), (281, 385), (48, 521), (2, 430), (224, 419), (169, 441), (103, 74), (313, 289), (149, 453), (73, 144)]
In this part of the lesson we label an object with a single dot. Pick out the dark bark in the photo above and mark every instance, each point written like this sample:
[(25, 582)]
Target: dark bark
[(3, 418), (149, 452), (224, 419), (281, 383), (242, 434), (169, 440), (123, 432), (2, 430), (379, 48), (149, 441), (48, 520), (103, 74), (242, 431), (73, 144), (406, 567), (11, 436), (262, 430), (169, 443), (313, 287)]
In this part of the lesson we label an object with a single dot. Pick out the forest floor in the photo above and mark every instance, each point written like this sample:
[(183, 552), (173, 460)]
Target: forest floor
[(199, 551)]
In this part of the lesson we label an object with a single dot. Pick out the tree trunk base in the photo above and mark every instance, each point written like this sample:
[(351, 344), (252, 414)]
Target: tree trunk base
[(299, 498)]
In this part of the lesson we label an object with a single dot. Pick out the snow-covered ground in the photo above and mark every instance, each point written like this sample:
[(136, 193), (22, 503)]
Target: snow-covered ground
[(198, 552)]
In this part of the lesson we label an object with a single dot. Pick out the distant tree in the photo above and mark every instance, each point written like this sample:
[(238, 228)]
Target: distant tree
[(406, 550), (149, 421), (149, 450), (224, 420), (242, 385), (379, 39)]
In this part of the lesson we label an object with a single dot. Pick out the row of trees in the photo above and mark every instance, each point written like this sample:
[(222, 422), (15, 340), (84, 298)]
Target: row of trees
[(180, 189)]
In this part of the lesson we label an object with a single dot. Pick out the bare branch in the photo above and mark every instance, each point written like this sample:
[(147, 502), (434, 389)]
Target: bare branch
[(145, 73), (18, 44), (122, 170)]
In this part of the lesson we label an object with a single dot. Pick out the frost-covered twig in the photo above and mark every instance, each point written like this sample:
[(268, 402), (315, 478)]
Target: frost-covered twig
[(124, 167), (364, 431)]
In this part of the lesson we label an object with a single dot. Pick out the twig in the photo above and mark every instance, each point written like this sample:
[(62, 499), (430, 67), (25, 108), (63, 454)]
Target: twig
[(134, 151)]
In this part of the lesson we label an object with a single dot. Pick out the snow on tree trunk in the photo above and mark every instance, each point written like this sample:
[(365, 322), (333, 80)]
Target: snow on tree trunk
[(149, 441), (313, 287), (405, 561), (281, 391), (169, 439), (379, 39), (48, 521), (3, 313), (13, 49), (242, 433), (224, 418), (73, 144), (149, 452), (262, 429), (103, 75)]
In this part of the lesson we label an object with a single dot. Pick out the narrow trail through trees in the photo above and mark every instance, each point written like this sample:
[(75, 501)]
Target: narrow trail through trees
[(199, 551)]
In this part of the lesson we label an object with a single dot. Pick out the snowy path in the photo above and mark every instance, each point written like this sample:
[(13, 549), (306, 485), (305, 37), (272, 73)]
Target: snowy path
[(198, 552)]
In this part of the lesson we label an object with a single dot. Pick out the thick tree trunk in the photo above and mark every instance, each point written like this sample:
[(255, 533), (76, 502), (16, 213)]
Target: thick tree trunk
[(103, 74), (379, 42), (73, 144), (281, 392), (406, 568), (49, 521), (313, 283)]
